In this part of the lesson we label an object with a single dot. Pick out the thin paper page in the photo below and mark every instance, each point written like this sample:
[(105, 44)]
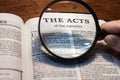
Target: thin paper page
[(10, 47), (30, 25), (101, 66)]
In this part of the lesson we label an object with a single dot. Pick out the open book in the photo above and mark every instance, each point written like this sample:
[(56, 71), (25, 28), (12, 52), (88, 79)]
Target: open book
[(21, 57)]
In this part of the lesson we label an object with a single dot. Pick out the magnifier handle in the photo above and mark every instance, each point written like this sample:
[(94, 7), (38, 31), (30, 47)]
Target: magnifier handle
[(103, 34)]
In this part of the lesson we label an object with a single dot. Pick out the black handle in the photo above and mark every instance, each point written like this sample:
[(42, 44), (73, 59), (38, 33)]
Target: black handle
[(103, 34)]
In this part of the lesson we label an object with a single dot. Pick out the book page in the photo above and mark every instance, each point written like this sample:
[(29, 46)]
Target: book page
[(101, 66), (10, 47)]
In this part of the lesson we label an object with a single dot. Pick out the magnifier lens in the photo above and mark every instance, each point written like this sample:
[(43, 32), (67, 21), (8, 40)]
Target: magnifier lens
[(67, 29)]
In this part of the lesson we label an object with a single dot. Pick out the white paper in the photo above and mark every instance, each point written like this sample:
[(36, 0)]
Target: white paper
[(10, 47), (101, 66)]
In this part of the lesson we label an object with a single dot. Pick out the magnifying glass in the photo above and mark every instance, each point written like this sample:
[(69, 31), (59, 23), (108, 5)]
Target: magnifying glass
[(68, 29)]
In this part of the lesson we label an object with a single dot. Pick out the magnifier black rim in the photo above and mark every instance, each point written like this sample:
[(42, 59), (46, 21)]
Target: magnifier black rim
[(96, 23)]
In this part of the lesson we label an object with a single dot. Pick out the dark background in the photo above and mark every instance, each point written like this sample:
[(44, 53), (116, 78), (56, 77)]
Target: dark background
[(105, 9)]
